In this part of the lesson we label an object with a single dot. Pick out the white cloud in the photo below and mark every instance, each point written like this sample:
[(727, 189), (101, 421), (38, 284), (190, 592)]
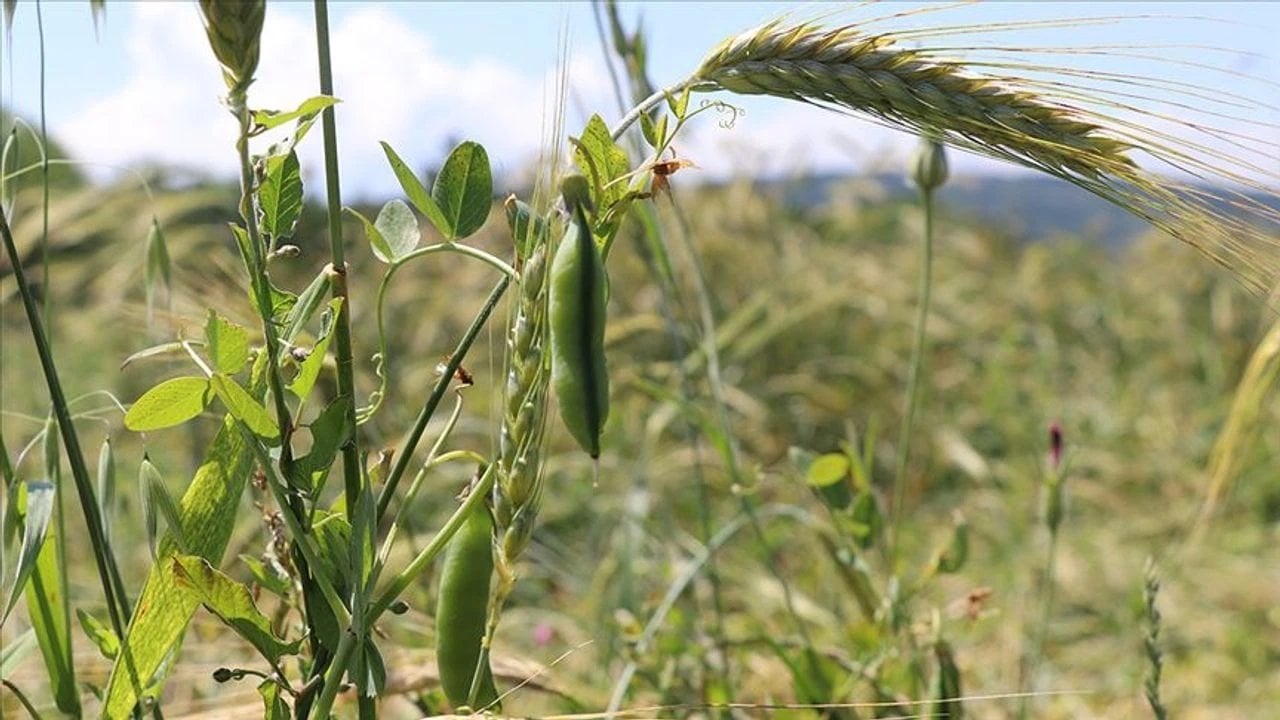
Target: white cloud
[(393, 87)]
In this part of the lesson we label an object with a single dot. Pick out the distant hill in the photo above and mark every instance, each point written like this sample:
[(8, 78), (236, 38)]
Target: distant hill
[(1031, 207)]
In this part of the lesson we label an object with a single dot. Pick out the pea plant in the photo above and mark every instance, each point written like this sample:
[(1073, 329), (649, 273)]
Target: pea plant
[(292, 421)]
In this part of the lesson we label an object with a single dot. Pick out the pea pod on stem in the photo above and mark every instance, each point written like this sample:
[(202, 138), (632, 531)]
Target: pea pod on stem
[(577, 311)]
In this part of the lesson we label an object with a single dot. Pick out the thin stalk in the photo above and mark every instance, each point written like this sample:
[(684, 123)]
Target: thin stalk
[(1042, 628), (333, 197), (333, 678), (108, 570), (648, 104), (405, 454), (924, 293)]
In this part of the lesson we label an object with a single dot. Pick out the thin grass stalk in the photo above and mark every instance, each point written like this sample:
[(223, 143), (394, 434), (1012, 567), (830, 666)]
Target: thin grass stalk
[(911, 400), (333, 197), (1151, 641), (108, 570)]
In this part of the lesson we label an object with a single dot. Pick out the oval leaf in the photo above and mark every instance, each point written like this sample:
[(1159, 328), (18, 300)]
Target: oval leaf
[(170, 403), (228, 344), (244, 408), (399, 229), (827, 470), (417, 192), (464, 189)]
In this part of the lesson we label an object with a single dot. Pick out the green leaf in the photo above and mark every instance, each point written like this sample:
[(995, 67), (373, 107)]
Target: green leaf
[(101, 635), (209, 509), (417, 192), (15, 651), (308, 302), (376, 242), (267, 577), (170, 403), (399, 229), (49, 611), (232, 603), (464, 189), (310, 368), (329, 432), (227, 344), (827, 470), (243, 407), (268, 119), (280, 195), (273, 706), (602, 161), (654, 132), (37, 496), (679, 104)]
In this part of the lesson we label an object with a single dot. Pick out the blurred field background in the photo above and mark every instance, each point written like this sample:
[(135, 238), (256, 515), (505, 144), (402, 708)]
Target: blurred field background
[(1048, 308), (1135, 349)]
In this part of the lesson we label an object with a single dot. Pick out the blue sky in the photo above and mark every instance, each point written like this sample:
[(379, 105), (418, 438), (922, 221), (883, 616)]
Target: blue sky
[(417, 74)]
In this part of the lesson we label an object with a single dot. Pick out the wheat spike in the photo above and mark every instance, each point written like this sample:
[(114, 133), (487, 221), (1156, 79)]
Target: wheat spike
[(1017, 120)]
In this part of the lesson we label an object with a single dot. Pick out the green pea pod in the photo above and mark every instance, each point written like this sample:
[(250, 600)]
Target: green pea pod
[(463, 610), (577, 312)]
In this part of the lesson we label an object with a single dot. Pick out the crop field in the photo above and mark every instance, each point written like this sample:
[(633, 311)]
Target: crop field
[(608, 439)]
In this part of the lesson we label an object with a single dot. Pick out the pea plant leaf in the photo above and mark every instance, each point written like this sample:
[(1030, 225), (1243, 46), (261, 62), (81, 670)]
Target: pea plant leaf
[(280, 195), (394, 234), (170, 403), (602, 161), (329, 432), (227, 343), (417, 192), (38, 499), (309, 300), (232, 603), (310, 368), (273, 706), (267, 119), (244, 408), (464, 189)]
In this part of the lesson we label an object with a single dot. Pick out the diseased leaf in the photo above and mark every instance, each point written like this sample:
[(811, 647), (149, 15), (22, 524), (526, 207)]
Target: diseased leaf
[(417, 192), (243, 407), (160, 618), (310, 368), (227, 344), (268, 119), (232, 603), (464, 189), (37, 497), (101, 635), (170, 403), (280, 195)]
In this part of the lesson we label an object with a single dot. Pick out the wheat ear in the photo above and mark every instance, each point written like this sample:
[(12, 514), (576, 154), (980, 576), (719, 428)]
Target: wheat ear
[(1063, 127)]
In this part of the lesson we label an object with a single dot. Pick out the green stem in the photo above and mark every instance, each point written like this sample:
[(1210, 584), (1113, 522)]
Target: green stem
[(405, 453), (333, 678), (924, 291), (108, 570), (333, 192), (647, 104)]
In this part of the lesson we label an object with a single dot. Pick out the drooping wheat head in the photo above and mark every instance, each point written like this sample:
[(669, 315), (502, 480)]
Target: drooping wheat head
[(1064, 126)]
